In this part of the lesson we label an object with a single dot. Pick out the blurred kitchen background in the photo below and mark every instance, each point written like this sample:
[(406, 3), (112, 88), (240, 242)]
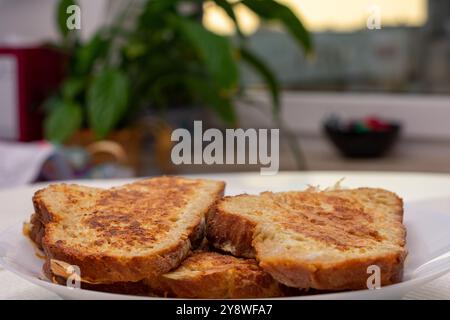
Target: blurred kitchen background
[(347, 93)]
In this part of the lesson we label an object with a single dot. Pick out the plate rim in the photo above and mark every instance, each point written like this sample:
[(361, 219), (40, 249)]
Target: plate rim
[(55, 288), (404, 286)]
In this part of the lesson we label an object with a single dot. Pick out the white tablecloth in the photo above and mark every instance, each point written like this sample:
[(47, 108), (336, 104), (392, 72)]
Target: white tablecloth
[(411, 187)]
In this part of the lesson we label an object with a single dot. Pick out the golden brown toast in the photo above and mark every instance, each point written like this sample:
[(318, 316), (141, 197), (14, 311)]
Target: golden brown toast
[(202, 274), (138, 288), (124, 234), (35, 230), (212, 275), (315, 239)]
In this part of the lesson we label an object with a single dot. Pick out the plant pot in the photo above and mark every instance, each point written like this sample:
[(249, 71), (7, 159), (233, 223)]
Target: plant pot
[(159, 126), (123, 146), (179, 117)]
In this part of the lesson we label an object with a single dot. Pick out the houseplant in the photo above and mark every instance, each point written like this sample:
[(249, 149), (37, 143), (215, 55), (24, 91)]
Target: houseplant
[(165, 58)]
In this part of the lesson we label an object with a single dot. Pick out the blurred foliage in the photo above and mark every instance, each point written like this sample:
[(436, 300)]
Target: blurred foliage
[(166, 58)]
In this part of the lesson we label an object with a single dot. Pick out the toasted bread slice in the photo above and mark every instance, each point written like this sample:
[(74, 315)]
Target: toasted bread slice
[(35, 230), (322, 240), (212, 275), (138, 288), (125, 234), (202, 274)]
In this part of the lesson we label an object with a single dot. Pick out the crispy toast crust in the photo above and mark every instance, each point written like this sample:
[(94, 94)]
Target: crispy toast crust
[(36, 230), (138, 288), (212, 275), (202, 274), (231, 233), (321, 240), (116, 223)]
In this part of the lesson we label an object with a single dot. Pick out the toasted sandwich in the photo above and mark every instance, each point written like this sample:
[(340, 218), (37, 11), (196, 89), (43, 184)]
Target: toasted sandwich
[(322, 240), (125, 234), (203, 274), (212, 275)]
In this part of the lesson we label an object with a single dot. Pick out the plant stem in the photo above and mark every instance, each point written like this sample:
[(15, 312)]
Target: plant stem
[(290, 136), (116, 27)]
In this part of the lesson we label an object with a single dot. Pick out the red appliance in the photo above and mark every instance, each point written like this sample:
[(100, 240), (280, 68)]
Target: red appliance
[(27, 77)]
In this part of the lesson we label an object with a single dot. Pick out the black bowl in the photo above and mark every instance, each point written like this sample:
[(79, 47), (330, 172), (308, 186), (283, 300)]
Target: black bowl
[(371, 144)]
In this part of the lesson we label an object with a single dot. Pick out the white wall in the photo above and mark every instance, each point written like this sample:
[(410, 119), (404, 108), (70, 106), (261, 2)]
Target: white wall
[(423, 116), (33, 21)]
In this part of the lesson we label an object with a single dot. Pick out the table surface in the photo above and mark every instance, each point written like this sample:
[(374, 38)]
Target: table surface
[(16, 206)]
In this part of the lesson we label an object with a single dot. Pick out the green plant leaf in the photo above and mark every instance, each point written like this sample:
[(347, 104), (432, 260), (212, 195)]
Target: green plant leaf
[(51, 103), (266, 74), (215, 50), (228, 8), (273, 11), (107, 99), (135, 49), (63, 121), (211, 96), (61, 16), (88, 53), (153, 13), (72, 87)]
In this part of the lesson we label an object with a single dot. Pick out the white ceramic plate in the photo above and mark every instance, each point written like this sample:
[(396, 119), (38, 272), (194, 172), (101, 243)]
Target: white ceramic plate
[(428, 239)]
